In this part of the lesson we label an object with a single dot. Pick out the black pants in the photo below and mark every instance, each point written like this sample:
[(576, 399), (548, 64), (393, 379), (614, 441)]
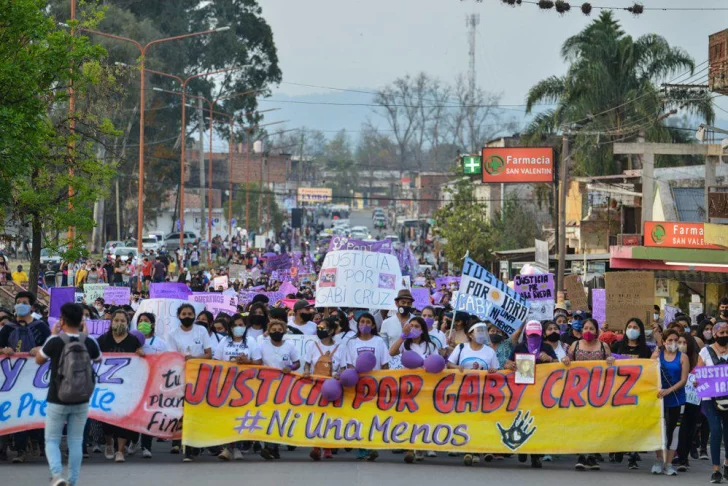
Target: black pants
[(688, 425), (672, 417), (147, 442), (119, 433)]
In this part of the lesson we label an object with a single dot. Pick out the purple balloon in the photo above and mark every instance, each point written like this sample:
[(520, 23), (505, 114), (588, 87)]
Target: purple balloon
[(412, 360), (365, 362), (349, 378), (332, 390), (435, 363), (139, 336)]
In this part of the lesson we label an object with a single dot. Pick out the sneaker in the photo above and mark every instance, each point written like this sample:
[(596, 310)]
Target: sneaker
[(58, 481), (328, 454), (488, 457), (20, 459), (132, 448), (276, 453), (592, 464), (499, 457), (109, 452), (257, 447), (187, 459), (536, 462), (632, 464), (419, 456), (237, 455), (225, 455), (716, 477), (431, 454), (315, 454), (247, 448), (362, 454), (657, 468), (146, 453), (409, 457), (476, 458), (119, 457), (86, 455), (522, 457), (266, 454), (682, 467), (174, 450), (694, 453), (670, 470), (373, 456), (547, 458), (599, 457), (618, 457), (704, 455), (468, 460), (581, 463), (96, 449)]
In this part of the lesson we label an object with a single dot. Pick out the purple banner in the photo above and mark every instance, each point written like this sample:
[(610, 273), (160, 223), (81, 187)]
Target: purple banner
[(169, 290), (712, 381), (535, 287), (599, 305), (278, 262), (422, 298), (60, 296), (344, 243), (117, 295), (246, 296), (94, 327), (447, 281)]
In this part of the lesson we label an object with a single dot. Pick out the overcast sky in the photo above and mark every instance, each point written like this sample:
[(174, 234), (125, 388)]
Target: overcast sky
[(367, 44)]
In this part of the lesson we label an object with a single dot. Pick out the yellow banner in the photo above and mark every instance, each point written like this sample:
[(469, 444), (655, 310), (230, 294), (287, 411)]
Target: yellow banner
[(586, 407)]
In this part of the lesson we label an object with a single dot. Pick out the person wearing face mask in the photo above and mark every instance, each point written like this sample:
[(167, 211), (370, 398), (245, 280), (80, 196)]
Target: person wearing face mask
[(705, 332), (324, 358), (152, 345), (242, 349), (257, 320), (99, 305), (656, 314), (438, 338), (302, 318), (633, 343), (588, 348), (687, 345), (573, 332), (344, 332), (193, 341), (118, 340), (674, 368), (392, 325), (24, 334), (716, 409), (282, 355), (501, 343)]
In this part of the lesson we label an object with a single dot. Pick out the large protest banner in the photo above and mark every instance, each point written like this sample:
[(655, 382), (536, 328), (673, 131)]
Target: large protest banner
[(629, 294), (165, 310), (486, 296), (539, 291), (343, 243), (359, 279), (412, 409), (140, 394), (216, 302), (169, 290), (246, 296), (91, 292)]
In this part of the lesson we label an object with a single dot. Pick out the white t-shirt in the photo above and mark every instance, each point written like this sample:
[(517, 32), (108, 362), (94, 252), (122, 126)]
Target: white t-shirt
[(375, 345), (308, 328), (423, 349), (482, 359), (707, 359), (155, 345), (344, 337), (392, 329), (228, 349), (279, 356), (337, 350), (255, 333), (438, 338), (190, 343)]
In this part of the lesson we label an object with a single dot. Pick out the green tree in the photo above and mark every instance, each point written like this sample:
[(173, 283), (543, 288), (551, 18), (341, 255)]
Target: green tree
[(41, 155), (462, 222), (514, 227), (276, 217), (610, 88)]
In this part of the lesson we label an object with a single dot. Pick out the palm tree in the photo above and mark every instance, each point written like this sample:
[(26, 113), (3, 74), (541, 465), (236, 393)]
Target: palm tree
[(610, 92)]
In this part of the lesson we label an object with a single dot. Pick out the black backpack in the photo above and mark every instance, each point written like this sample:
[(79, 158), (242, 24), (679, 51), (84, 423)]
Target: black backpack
[(75, 379)]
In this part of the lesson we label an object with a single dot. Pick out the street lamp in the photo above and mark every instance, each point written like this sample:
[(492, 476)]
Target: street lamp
[(143, 51)]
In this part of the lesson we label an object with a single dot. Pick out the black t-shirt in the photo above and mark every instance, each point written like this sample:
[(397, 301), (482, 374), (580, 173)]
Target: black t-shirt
[(108, 344), (522, 348), (52, 350), (627, 350), (39, 330)]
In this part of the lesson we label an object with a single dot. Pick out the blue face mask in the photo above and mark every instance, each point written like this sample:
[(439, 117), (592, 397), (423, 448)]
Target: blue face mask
[(22, 310)]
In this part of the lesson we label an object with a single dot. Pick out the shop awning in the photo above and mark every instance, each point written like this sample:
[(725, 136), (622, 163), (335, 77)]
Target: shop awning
[(669, 259)]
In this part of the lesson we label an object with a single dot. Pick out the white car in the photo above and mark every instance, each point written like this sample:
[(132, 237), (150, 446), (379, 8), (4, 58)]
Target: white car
[(124, 252), (49, 257), (152, 243), (359, 235)]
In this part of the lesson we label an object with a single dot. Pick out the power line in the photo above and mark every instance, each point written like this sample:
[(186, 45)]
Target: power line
[(636, 8), (395, 105)]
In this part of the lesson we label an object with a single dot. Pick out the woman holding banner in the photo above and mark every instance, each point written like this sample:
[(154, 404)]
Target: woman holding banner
[(716, 410), (674, 368), (588, 348)]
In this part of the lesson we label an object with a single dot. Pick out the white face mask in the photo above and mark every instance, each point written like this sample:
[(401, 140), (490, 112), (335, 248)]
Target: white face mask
[(656, 317), (238, 331), (671, 347)]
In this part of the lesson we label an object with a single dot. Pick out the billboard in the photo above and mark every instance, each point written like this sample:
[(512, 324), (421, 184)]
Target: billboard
[(518, 165), (670, 234), (314, 194)]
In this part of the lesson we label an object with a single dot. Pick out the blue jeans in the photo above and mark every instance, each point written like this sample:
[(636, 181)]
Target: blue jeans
[(56, 417), (718, 423)]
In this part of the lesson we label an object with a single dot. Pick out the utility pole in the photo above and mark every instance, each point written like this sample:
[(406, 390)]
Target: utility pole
[(563, 174), (200, 117)]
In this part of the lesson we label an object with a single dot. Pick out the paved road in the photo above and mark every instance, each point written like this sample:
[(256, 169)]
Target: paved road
[(344, 470)]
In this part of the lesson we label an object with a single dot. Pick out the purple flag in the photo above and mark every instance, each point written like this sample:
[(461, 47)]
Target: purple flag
[(169, 290), (422, 298), (712, 381), (344, 243), (60, 296)]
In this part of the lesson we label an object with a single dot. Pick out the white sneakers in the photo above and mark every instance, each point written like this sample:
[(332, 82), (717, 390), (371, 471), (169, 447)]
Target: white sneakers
[(119, 457), (237, 455), (657, 468), (109, 452), (146, 453)]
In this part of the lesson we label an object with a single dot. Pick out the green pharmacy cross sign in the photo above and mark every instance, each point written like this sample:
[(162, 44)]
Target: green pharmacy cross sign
[(472, 164)]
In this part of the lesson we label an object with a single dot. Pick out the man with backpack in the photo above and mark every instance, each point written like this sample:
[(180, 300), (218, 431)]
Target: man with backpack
[(71, 386), (23, 334)]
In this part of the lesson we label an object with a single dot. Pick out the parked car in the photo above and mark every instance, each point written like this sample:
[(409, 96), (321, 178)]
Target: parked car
[(124, 251), (172, 240), (152, 243), (112, 244), (49, 257)]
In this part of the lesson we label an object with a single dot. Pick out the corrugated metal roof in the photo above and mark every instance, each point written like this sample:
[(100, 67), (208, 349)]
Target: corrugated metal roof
[(690, 204)]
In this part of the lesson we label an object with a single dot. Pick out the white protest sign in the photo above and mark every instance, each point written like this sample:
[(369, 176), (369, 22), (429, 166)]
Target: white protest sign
[(91, 292), (216, 302), (165, 310), (359, 279), (221, 281)]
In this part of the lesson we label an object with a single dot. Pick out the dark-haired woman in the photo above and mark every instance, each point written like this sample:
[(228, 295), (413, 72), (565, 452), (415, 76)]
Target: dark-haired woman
[(257, 320), (152, 345), (691, 412)]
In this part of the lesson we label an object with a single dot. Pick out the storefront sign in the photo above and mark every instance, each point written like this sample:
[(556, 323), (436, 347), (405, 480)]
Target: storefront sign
[(314, 194), (669, 234), (518, 165)]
